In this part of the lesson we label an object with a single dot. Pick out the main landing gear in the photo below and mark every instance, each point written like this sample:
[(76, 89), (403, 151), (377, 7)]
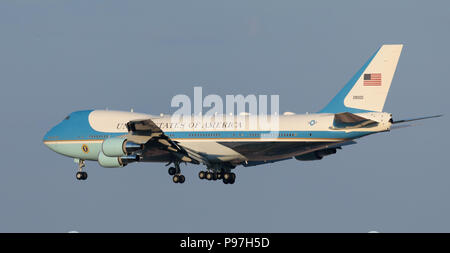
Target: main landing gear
[(229, 178), (226, 176), (81, 175), (176, 173)]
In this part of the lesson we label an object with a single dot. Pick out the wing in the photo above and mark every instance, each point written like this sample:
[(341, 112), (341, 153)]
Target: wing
[(255, 163), (319, 148), (148, 133)]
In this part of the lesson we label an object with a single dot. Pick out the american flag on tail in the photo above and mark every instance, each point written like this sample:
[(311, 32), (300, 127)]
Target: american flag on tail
[(373, 79)]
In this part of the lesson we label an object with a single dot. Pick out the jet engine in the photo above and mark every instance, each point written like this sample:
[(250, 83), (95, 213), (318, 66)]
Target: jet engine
[(115, 147), (316, 155), (116, 162)]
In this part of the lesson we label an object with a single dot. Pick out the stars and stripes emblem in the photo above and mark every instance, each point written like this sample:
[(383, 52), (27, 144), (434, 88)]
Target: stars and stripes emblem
[(373, 79)]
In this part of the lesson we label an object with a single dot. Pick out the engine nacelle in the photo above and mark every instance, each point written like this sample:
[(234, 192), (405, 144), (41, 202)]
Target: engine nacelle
[(316, 155), (109, 162), (116, 162), (115, 147)]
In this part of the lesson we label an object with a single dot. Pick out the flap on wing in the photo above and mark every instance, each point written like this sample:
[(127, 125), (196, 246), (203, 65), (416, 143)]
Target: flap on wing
[(348, 120), (147, 132), (196, 156), (255, 163), (337, 145), (141, 131), (144, 127), (341, 144)]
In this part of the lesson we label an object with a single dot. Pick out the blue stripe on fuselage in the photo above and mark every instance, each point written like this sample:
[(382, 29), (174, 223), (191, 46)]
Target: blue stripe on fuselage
[(265, 134)]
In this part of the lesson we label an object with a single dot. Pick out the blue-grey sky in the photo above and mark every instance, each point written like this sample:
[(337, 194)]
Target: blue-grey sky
[(61, 56)]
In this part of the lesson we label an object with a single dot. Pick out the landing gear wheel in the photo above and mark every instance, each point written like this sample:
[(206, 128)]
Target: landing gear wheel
[(81, 175), (229, 178), (215, 176), (172, 171), (209, 175), (219, 175), (176, 173), (202, 175), (178, 179)]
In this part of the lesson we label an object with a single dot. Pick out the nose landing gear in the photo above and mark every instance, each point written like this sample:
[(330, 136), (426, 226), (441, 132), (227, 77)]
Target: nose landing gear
[(81, 175)]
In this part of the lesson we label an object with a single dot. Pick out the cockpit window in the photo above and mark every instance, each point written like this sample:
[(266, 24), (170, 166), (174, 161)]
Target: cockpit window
[(66, 118)]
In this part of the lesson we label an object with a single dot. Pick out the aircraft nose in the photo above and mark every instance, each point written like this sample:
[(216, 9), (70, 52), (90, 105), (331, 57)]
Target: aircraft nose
[(51, 139), (46, 138), (51, 135)]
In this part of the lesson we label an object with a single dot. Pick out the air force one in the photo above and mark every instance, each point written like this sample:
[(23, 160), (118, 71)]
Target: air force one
[(117, 138)]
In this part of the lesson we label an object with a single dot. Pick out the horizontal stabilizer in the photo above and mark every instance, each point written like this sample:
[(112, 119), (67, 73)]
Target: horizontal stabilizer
[(348, 120), (400, 126), (414, 119)]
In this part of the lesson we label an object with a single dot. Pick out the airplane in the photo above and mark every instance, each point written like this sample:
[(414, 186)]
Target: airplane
[(118, 138)]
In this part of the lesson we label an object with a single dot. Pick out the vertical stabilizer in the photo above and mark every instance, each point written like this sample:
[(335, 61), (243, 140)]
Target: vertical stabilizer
[(368, 88)]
